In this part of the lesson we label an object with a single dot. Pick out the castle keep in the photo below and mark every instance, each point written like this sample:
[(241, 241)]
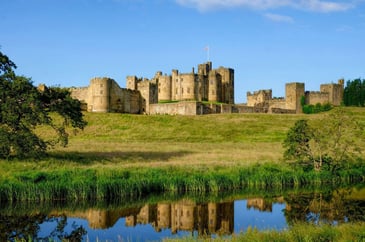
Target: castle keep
[(181, 91), (203, 92)]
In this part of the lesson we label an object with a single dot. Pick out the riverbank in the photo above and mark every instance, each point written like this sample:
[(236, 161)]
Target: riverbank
[(118, 184), (298, 232), (133, 155)]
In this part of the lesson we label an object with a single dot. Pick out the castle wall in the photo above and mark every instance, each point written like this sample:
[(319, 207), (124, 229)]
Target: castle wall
[(258, 97), (105, 95), (312, 98), (181, 108)]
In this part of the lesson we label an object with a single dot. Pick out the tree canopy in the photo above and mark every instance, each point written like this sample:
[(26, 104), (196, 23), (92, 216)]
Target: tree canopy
[(23, 107), (332, 141), (354, 93)]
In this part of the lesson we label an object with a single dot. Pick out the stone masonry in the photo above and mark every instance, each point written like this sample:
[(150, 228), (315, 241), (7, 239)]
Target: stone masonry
[(206, 92)]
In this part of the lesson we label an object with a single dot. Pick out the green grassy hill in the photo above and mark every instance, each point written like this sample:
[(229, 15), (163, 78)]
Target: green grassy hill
[(126, 154)]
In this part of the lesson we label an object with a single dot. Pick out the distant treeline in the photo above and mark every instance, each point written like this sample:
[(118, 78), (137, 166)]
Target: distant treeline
[(354, 93)]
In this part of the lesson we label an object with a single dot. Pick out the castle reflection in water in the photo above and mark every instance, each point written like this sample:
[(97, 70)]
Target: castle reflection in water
[(209, 218), (184, 215)]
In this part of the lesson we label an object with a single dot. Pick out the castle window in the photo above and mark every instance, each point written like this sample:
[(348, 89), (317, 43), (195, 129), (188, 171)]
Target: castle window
[(188, 90), (101, 85), (101, 91), (182, 90), (176, 90), (159, 90)]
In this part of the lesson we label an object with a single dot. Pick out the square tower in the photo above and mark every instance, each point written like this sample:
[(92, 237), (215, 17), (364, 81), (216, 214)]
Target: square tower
[(293, 94)]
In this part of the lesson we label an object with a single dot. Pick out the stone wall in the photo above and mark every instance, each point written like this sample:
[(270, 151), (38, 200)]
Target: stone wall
[(312, 98), (258, 97), (105, 95), (181, 108)]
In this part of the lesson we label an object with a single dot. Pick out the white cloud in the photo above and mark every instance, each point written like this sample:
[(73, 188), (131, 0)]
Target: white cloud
[(309, 5), (279, 18)]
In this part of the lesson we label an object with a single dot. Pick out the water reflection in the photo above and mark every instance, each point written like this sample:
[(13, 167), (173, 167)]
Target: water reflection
[(180, 217)]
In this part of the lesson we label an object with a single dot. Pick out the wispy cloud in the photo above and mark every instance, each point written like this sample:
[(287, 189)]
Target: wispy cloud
[(308, 5), (279, 18)]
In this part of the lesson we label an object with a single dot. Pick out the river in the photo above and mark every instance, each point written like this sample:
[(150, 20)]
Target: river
[(170, 216)]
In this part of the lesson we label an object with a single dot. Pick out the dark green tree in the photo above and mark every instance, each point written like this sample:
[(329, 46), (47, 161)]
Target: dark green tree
[(354, 93), (296, 143), (23, 108)]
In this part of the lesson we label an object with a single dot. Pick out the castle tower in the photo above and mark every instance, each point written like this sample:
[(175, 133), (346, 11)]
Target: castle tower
[(213, 86), (175, 85), (100, 92), (293, 93), (205, 68), (226, 92), (212, 217), (149, 95), (163, 216), (132, 82), (335, 92), (164, 88), (187, 84)]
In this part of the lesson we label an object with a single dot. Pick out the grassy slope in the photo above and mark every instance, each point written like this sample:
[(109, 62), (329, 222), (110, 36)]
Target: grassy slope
[(113, 145)]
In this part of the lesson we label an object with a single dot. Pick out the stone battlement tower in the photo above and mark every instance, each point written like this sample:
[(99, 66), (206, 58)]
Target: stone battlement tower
[(213, 85)]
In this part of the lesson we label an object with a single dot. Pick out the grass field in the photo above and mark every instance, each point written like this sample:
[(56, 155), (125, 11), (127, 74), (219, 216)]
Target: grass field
[(161, 148)]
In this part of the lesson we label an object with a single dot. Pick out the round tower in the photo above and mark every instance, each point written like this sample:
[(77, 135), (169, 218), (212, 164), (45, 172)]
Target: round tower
[(164, 88), (100, 88)]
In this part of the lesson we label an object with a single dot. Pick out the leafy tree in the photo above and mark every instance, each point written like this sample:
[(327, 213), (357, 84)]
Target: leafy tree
[(297, 141), (332, 142), (23, 107), (354, 93)]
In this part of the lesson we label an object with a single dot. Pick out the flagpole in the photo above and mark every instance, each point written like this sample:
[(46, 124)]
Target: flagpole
[(207, 48)]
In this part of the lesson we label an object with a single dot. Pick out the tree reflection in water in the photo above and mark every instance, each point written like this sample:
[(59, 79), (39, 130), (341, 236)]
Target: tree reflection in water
[(338, 206), (27, 227)]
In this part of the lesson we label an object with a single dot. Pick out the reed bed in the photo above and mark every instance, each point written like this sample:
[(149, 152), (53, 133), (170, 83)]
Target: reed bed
[(114, 184)]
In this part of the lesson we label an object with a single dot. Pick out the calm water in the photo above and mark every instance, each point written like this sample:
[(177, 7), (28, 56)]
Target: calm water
[(158, 218)]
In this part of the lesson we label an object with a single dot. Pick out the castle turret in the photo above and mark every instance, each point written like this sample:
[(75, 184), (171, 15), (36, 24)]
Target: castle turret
[(164, 88), (100, 89)]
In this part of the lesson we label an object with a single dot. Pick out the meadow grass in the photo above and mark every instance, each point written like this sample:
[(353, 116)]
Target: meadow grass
[(119, 155), (298, 232)]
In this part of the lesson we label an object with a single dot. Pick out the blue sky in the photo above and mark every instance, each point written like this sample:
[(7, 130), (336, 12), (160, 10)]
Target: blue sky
[(267, 42)]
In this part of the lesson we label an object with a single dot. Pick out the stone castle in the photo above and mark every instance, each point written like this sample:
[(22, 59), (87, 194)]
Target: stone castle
[(263, 101), (205, 92)]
